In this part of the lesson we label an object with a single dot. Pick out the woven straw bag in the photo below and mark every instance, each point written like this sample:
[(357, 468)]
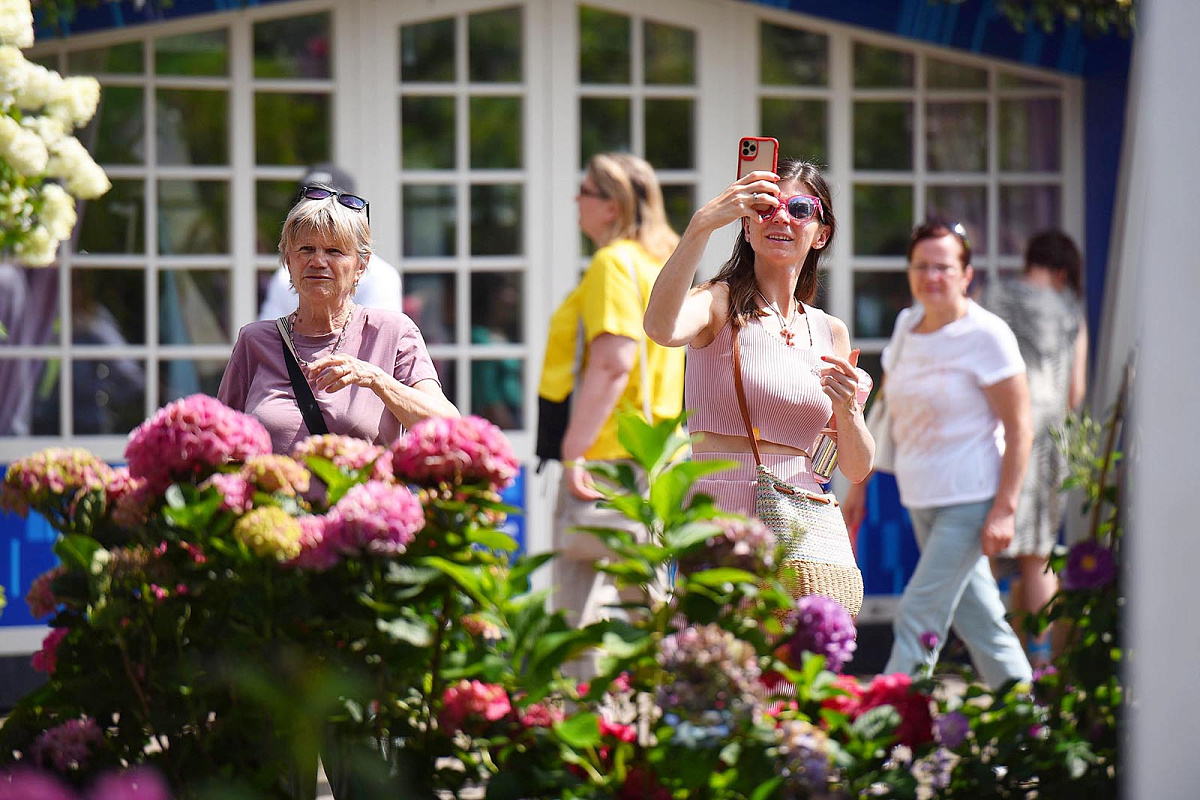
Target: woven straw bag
[(817, 558)]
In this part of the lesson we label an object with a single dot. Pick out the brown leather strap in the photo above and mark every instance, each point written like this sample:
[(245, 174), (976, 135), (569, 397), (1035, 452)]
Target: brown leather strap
[(741, 394)]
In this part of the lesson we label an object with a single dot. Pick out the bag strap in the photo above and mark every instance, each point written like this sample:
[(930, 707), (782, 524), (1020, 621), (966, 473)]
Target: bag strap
[(314, 420), (741, 395)]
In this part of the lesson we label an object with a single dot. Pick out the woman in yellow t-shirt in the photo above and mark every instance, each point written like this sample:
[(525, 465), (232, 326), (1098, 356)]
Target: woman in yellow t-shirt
[(621, 211)]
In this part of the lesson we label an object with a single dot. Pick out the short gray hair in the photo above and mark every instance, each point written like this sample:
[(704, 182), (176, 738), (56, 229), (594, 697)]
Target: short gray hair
[(327, 217)]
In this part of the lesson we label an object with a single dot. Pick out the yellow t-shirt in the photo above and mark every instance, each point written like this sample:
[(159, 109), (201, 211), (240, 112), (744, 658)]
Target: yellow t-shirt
[(606, 301)]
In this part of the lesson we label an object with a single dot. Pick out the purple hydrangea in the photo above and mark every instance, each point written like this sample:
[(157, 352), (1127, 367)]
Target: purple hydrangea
[(26, 783), (139, 783), (1090, 565), (67, 746), (930, 641), (804, 750), (373, 518), (455, 451), (710, 669), (951, 728), (824, 627)]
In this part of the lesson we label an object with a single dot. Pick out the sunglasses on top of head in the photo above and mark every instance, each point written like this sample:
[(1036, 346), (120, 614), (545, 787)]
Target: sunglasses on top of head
[(351, 201), (800, 207)]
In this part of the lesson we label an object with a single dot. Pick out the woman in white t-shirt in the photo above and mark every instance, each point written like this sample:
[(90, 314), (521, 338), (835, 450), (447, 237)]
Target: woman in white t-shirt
[(959, 412)]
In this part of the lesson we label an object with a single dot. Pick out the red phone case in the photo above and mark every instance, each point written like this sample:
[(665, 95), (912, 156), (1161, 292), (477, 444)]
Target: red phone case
[(757, 153)]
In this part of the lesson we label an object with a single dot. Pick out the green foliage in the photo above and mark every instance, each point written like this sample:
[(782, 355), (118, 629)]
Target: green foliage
[(1096, 16)]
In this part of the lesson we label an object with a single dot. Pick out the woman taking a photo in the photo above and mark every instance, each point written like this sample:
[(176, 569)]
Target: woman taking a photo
[(958, 408)]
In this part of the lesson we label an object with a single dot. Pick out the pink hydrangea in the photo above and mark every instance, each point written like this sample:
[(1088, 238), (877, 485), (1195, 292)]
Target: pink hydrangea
[(130, 499), (346, 452), (46, 659), (471, 705), (139, 783), (541, 715), (314, 553), (26, 783), (67, 746), (237, 493), (189, 438), (57, 472), (454, 451), (373, 518), (744, 544), (40, 598), (276, 474), (709, 669)]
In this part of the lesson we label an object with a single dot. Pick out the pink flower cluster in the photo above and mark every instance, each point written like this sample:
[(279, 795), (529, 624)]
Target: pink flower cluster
[(129, 499), (455, 451), (276, 474), (744, 544), (37, 479), (710, 668), (373, 518), (237, 493), (40, 598), (541, 715), (46, 659), (139, 783), (67, 746), (346, 452), (314, 554), (189, 438), (471, 705)]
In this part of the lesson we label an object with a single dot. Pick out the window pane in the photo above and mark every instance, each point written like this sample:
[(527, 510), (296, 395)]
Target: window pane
[(192, 126), (1025, 210), (1029, 135), (494, 45), (262, 281), (883, 135), (878, 298), (427, 132), (948, 75), (119, 58), (495, 132), (109, 395), (799, 125), (498, 391), (965, 204), (29, 396), (114, 222), (496, 213), (670, 54), (790, 57), (496, 309), (193, 217), (193, 306), (117, 134), (883, 217), (108, 306), (296, 47), (428, 220), (956, 137), (670, 138), (272, 201), (447, 370), (179, 378), (291, 128), (878, 67), (429, 299), (603, 125), (205, 53), (680, 203), (604, 49), (427, 52)]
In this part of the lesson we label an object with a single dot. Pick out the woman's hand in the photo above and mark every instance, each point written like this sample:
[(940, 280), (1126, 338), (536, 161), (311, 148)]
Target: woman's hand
[(839, 381), (579, 481), (998, 530), (759, 188), (335, 372)]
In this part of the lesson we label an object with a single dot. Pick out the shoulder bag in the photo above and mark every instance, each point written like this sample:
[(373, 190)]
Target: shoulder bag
[(314, 420), (817, 557)]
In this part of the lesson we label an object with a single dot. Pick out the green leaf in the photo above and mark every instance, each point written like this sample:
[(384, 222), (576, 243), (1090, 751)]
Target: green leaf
[(579, 731), (767, 789), (492, 539), (671, 486), (873, 724), (76, 551), (721, 576), (467, 578)]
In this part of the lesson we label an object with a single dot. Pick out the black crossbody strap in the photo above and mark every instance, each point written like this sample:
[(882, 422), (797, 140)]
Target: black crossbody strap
[(314, 420)]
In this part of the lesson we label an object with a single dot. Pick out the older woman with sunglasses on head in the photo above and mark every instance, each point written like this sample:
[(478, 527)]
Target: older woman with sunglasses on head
[(958, 409), (795, 360), (368, 369)]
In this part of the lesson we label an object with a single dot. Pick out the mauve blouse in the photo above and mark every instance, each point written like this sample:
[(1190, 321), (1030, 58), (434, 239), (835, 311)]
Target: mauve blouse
[(256, 378)]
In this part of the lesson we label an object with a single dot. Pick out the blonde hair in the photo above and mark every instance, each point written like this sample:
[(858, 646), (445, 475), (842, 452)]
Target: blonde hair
[(641, 216), (327, 217)]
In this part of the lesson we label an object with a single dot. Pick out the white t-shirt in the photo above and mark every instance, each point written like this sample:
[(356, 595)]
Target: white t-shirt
[(948, 440), (379, 287)]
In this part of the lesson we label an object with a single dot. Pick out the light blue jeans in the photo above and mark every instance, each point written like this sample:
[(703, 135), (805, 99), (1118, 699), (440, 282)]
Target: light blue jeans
[(953, 583)]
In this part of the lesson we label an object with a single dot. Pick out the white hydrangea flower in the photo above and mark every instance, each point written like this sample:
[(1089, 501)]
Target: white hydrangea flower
[(58, 211), (37, 248), (75, 100), (50, 130), (16, 23), (24, 150), (71, 161), (38, 86), (12, 72)]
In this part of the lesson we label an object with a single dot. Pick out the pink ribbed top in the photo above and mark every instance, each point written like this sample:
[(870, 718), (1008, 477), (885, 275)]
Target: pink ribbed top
[(783, 385)]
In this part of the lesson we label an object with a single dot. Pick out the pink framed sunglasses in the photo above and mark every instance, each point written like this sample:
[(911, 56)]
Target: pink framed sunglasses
[(800, 207)]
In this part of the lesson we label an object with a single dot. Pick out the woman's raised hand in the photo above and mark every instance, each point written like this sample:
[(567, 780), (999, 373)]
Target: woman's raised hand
[(335, 372), (738, 200)]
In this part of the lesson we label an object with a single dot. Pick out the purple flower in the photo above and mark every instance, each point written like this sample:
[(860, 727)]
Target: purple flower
[(139, 783), (455, 451), (711, 670), (190, 438), (67, 746), (930, 641), (373, 518), (823, 627), (806, 756), (26, 783), (951, 728), (1044, 671), (1090, 565)]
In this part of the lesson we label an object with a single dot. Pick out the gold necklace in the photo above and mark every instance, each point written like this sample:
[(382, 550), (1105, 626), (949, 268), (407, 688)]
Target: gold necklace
[(336, 345), (785, 325)]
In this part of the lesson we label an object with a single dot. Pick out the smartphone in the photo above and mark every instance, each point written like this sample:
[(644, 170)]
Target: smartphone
[(757, 153)]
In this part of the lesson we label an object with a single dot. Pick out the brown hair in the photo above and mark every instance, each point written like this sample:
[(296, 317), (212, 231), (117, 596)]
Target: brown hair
[(327, 217), (936, 229), (1055, 251), (738, 272), (641, 216)]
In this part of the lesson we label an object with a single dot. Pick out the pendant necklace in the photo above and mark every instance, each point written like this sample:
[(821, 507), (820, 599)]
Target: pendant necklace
[(785, 325), (336, 345)]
